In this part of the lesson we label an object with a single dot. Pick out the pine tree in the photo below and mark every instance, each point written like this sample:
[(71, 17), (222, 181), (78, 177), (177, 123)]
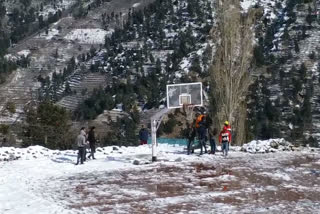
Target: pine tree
[(296, 46)]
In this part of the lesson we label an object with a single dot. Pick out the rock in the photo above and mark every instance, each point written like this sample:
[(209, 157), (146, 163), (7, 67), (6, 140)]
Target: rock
[(99, 150), (179, 159), (274, 145), (136, 162), (115, 148), (11, 157), (272, 150)]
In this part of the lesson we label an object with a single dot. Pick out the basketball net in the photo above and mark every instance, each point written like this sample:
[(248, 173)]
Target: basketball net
[(188, 111)]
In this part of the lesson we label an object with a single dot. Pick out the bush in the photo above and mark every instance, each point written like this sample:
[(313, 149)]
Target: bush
[(4, 129), (169, 126), (313, 142), (11, 107), (48, 125)]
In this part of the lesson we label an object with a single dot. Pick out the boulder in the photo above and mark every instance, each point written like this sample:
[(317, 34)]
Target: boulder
[(136, 162)]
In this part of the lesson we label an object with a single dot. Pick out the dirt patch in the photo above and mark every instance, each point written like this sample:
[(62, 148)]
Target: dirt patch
[(186, 187)]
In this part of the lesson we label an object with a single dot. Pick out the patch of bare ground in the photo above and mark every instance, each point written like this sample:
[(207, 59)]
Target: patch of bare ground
[(186, 187)]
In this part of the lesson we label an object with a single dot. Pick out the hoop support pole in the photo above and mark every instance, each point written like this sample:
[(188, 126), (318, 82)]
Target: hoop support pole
[(155, 123)]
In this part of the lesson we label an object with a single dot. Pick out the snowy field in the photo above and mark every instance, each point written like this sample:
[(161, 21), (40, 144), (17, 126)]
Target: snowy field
[(88, 36), (47, 181)]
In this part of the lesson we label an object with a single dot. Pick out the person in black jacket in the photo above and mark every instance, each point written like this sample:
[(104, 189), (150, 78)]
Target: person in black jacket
[(92, 142), (190, 134), (202, 135)]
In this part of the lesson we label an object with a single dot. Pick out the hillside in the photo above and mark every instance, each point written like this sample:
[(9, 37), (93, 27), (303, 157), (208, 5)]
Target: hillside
[(102, 55)]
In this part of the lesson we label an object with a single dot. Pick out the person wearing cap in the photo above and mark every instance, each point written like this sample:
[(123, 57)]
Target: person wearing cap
[(227, 126), (225, 138)]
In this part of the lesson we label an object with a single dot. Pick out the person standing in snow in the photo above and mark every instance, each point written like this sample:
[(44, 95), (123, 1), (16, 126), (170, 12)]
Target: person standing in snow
[(81, 143), (225, 138), (212, 135), (92, 142), (227, 126), (143, 135), (190, 134), (202, 131)]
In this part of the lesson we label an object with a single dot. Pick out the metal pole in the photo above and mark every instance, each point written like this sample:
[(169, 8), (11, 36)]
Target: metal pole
[(154, 140)]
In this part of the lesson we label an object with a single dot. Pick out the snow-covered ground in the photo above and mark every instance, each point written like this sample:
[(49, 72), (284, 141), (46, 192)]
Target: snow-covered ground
[(88, 36), (46, 181), (52, 32), (269, 6)]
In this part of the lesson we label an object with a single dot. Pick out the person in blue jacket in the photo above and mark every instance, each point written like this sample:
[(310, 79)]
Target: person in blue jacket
[(143, 135)]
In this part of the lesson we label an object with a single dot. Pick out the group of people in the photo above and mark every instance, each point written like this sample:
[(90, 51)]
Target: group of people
[(84, 141), (204, 130)]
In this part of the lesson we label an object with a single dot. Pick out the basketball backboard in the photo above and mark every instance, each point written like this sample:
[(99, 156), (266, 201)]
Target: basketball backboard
[(185, 93)]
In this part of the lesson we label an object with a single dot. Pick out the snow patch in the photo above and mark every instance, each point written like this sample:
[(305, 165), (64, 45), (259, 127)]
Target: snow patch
[(24, 53), (88, 36), (136, 5), (265, 146), (51, 33)]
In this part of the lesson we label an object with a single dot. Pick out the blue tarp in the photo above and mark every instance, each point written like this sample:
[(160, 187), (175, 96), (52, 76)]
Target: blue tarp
[(172, 141)]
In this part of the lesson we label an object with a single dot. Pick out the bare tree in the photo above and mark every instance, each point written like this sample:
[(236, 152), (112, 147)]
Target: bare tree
[(230, 78)]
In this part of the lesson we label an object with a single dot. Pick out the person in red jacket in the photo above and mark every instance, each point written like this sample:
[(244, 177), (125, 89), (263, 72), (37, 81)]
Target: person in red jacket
[(225, 138), (227, 126)]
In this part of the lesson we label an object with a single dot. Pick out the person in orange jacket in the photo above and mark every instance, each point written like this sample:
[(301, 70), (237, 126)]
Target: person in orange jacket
[(225, 138)]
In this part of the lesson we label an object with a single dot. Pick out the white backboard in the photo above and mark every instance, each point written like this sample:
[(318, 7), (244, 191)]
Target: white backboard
[(185, 93)]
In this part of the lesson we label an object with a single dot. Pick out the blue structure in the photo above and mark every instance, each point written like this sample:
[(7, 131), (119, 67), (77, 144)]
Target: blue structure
[(172, 141)]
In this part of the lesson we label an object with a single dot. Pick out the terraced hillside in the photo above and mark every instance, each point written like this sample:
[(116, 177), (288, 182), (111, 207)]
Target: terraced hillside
[(50, 50)]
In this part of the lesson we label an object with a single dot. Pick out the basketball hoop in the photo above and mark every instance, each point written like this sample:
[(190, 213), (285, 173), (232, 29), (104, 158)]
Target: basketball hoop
[(188, 111)]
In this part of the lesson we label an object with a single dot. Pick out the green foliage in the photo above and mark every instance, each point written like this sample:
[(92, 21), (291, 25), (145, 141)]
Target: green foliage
[(258, 55), (94, 105), (48, 125), (6, 67), (264, 114), (296, 46), (4, 129), (11, 107), (312, 142), (122, 133), (312, 55), (80, 11), (169, 126)]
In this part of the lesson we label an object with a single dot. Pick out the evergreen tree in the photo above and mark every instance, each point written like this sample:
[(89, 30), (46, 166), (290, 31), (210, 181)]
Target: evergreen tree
[(48, 125), (296, 46)]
